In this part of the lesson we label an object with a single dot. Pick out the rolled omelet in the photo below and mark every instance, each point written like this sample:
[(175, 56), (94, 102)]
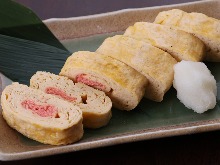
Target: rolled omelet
[(180, 44), (41, 116), (123, 84), (95, 105), (155, 64), (205, 28)]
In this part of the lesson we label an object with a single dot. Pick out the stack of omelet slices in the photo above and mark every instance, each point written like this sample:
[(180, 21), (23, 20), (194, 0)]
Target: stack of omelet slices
[(124, 69), (140, 62)]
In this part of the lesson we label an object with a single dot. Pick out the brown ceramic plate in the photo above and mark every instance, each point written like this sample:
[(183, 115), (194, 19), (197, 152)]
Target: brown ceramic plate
[(149, 120)]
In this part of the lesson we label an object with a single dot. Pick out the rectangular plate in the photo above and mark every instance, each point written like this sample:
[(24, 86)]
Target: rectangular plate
[(149, 120)]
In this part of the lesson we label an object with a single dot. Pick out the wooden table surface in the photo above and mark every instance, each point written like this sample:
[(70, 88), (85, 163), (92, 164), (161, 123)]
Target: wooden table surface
[(203, 148)]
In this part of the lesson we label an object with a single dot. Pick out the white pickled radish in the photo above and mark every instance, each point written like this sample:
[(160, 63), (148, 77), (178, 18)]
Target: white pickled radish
[(195, 85)]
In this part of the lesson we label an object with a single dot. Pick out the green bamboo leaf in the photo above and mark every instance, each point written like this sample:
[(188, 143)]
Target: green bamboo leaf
[(26, 44), (21, 22), (20, 58)]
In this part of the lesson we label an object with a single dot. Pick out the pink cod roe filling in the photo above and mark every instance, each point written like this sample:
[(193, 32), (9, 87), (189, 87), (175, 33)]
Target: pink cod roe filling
[(41, 110), (82, 78), (58, 92)]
